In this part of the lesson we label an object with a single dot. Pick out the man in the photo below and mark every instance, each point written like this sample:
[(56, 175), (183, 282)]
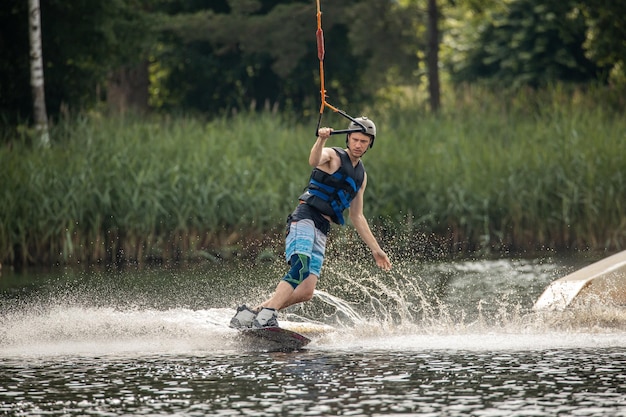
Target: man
[(337, 182)]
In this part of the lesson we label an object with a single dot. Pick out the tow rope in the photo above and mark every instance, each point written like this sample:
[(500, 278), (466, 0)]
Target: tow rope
[(319, 35)]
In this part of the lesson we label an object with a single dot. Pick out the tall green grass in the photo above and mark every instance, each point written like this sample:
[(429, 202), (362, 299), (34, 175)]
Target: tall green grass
[(543, 170), (532, 174), (138, 189)]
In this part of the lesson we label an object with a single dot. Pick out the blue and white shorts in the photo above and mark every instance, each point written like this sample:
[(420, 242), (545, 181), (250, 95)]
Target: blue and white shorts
[(305, 239)]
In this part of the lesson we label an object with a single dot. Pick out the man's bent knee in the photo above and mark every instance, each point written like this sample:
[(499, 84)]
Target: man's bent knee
[(306, 290), (299, 270), (307, 296)]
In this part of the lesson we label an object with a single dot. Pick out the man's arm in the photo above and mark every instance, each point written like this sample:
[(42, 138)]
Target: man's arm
[(363, 229), (320, 155)]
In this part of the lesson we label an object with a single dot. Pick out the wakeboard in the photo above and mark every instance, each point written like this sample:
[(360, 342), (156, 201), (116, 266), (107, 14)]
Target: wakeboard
[(274, 339)]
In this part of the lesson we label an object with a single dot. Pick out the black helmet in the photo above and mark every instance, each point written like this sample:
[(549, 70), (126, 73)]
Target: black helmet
[(364, 122)]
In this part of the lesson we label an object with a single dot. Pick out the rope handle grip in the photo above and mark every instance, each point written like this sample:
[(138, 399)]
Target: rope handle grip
[(361, 128), (337, 132)]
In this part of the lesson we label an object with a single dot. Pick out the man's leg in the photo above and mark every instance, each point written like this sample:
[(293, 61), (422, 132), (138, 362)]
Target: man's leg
[(303, 292), (300, 282), (285, 295), (304, 247)]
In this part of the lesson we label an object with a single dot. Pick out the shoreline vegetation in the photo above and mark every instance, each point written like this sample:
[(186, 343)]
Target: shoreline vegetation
[(533, 172)]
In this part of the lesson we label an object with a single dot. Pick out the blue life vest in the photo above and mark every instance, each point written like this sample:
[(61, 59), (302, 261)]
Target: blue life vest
[(331, 194)]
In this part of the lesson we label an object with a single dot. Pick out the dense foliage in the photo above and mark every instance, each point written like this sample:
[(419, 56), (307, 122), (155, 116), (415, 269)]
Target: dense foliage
[(531, 44), (215, 56)]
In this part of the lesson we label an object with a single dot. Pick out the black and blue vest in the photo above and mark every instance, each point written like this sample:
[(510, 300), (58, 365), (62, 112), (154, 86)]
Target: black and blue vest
[(331, 194)]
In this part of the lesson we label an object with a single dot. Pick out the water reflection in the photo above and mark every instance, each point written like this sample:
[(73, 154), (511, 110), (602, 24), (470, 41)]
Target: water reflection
[(454, 383)]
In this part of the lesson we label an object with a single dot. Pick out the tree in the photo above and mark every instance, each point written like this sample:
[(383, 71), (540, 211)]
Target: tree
[(36, 73), (239, 57), (524, 43), (210, 56), (258, 52), (432, 56), (605, 43)]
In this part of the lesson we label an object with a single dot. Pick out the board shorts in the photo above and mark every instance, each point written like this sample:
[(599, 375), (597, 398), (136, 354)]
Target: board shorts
[(307, 231)]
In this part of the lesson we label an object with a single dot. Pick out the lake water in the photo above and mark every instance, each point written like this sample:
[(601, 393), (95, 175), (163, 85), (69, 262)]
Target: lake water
[(428, 339)]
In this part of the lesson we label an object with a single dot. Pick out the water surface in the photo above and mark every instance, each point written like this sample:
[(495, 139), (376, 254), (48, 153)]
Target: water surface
[(437, 339)]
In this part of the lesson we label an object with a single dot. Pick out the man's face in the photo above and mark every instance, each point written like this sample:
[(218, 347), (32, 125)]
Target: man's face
[(358, 143)]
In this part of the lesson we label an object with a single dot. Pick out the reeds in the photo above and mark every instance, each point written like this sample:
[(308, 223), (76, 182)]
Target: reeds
[(476, 178), (543, 172)]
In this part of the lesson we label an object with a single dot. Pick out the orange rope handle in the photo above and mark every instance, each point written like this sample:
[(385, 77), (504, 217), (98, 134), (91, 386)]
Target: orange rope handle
[(319, 35)]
